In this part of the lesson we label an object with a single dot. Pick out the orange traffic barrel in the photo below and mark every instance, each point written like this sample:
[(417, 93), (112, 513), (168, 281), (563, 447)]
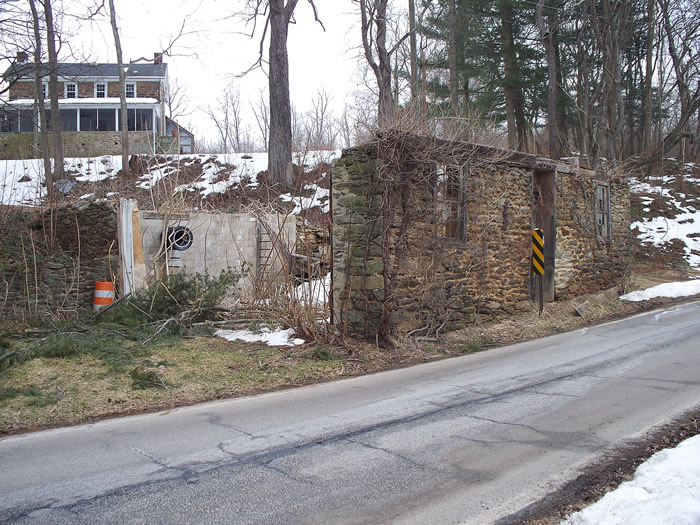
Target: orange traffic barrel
[(104, 294)]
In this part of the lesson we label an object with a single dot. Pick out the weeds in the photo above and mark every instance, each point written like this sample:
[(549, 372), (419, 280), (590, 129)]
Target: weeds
[(472, 347), (143, 378), (126, 334), (37, 398)]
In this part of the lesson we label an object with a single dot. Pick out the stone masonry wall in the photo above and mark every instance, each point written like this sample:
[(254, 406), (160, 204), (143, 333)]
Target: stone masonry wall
[(416, 282), (87, 251), (583, 262), (85, 144), (24, 89)]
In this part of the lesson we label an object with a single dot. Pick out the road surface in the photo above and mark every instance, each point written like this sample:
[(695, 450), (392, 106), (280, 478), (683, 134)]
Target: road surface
[(463, 440)]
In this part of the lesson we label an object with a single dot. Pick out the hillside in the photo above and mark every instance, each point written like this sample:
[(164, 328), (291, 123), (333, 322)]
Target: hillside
[(207, 181)]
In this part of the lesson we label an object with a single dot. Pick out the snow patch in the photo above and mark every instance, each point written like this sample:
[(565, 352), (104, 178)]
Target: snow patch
[(665, 491), (678, 289), (276, 337)]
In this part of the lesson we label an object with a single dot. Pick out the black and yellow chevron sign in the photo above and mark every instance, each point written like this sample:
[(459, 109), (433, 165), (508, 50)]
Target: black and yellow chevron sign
[(538, 251)]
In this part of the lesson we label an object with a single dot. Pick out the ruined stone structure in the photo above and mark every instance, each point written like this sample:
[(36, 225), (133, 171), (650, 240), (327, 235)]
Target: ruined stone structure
[(86, 234), (431, 235)]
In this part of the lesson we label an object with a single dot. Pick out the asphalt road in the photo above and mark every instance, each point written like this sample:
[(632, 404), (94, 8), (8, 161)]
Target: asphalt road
[(464, 440)]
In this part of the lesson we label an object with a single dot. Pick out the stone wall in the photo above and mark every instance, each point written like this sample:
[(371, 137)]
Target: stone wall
[(394, 274), (85, 144), (24, 89), (585, 263), (87, 251)]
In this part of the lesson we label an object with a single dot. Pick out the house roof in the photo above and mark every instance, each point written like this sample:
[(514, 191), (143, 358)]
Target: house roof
[(171, 122), (95, 71)]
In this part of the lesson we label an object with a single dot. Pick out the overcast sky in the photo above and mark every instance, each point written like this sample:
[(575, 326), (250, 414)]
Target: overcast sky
[(214, 50)]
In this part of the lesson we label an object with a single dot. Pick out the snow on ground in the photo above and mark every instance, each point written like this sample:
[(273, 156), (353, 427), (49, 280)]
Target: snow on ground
[(277, 337), (21, 181), (665, 491), (314, 292), (659, 230), (679, 289), (320, 199)]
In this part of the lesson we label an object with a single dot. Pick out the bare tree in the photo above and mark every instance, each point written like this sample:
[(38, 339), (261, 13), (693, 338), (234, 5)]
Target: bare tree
[(278, 15), (122, 90), (374, 43), (52, 55), (176, 100), (227, 119), (320, 126), (41, 103), (261, 111)]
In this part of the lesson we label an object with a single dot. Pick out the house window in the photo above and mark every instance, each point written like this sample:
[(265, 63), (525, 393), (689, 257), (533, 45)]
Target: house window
[(9, 121), (45, 89), (69, 119), (451, 203), (26, 120), (602, 212), (139, 119), (131, 90), (97, 120), (100, 90), (71, 90)]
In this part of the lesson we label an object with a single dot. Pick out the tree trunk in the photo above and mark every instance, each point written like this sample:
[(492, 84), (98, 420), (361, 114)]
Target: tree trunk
[(413, 47), (452, 55), (374, 12), (386, 101), (515, 111), (122, 91), (57, 172), (648, 101), (41, 103), (546, 35), (280, 149)]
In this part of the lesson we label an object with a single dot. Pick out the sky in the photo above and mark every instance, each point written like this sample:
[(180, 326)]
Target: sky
[(214, 50)]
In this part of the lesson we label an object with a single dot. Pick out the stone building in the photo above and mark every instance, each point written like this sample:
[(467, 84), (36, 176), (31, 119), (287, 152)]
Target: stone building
[(89, 106), (431, 235)]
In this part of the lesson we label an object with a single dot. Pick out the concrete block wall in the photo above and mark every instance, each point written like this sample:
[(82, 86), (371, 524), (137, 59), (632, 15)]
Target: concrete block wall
[(220, 242)]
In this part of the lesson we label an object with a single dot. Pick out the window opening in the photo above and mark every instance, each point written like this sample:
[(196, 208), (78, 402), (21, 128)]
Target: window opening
[(139, 119), (130, 90), (97, 120), (602, 212), (69, 119), (100, 90), (450, 200), (9, 121), (71, 90), (45, 90)]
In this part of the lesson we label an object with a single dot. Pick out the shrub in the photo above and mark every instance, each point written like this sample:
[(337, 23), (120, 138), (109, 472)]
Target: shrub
[(181, 293)]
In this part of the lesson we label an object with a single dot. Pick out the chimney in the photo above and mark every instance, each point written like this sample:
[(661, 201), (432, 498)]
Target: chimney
[(157, 58), (21, 57)]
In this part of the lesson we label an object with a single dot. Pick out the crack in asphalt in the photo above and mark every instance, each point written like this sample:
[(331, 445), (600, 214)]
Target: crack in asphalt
[(390, 453), (268, 465)]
